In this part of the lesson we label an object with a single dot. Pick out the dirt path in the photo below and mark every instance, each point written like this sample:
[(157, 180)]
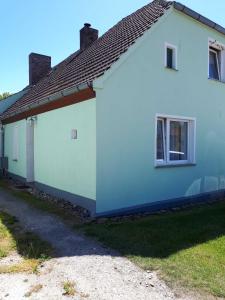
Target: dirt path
[(98, 273)]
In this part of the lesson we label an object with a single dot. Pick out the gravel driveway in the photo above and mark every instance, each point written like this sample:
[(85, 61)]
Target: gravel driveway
[(98, 273)]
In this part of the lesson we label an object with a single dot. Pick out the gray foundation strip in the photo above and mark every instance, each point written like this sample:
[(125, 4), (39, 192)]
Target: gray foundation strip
[(166, 204), (90, 204), (87, 203)]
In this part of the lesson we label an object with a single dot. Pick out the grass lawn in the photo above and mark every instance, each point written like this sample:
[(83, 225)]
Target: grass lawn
[(41, 204), (187, 248), (28, 245)]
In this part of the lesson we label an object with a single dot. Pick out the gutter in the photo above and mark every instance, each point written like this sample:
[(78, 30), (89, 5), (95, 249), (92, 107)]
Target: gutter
[(193, 14), (66, 92)]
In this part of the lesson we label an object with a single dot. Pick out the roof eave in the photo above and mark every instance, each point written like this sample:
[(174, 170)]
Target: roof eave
[(193, 14), (50, 100)]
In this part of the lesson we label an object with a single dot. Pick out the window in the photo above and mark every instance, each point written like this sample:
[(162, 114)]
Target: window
[(160, 139), (216, 61), (214, 66), (178, 140), (175, 140), (15, 144), (170, 56)]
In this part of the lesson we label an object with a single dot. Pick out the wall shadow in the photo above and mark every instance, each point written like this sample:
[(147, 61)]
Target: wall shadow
[(28, 244), (156, 236), (163, 235)]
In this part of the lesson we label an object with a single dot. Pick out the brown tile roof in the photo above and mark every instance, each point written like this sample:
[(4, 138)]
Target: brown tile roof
[(84, 67)]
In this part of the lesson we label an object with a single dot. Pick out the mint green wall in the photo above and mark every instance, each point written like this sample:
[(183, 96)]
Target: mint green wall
[(128, 101), (61, 162), (16, 167)]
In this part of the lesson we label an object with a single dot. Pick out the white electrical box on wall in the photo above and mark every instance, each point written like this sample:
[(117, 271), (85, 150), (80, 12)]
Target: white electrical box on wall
[(74, 134)]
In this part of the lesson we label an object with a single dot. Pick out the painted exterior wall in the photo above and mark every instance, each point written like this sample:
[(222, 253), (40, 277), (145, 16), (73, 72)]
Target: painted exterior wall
[(128, 101), (16, 167), (60, 161)]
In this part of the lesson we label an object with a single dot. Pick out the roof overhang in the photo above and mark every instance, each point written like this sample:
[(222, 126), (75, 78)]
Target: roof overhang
[(10, 100), (193, 14), (58, 100)]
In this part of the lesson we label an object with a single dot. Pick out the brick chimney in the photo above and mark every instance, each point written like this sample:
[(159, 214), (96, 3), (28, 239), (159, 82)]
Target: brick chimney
[(39, 66), (87, 36)]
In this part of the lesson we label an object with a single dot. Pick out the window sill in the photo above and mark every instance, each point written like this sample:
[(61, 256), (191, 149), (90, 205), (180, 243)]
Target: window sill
[(216, 80), (175, 165), (171, 69)]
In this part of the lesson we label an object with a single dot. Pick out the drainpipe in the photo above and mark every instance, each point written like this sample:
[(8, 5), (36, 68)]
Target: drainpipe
[(3, 171), (30, 149), (1, 140)]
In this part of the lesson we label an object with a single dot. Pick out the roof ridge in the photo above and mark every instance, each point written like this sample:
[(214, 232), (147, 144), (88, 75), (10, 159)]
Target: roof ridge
[(162, 2), (84, 67)]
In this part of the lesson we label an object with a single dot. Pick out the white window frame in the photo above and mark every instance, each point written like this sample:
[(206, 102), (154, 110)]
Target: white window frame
[(215, 46), (166, 140), (217, 62), (15, 154), (174, 48)]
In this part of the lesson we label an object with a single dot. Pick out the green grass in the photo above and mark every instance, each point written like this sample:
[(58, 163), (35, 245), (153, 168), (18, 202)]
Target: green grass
[(69, 288), (6, 241), (28, 245), (186, 248), (44, 205)]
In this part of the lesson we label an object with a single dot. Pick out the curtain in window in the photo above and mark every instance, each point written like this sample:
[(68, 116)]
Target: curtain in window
[(213, 65), (178, 140), (170, 58), (160, 140)]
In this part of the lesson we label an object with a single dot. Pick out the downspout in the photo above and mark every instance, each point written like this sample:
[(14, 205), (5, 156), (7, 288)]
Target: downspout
[(2, 141), (30, 148)]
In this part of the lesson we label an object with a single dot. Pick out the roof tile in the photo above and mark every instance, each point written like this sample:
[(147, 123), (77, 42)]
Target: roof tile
[(84, 67)]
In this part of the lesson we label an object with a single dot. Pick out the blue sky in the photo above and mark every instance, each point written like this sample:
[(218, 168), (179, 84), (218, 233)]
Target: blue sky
[(52, 27)]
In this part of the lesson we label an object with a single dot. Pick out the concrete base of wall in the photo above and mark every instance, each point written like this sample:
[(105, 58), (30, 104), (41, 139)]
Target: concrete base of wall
[(166, 204), (17, 177), (87, 203), (90, 204)]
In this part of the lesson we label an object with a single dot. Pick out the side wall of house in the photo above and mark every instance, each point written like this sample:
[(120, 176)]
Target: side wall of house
[(16, 167), (61, 162), (142, 87)]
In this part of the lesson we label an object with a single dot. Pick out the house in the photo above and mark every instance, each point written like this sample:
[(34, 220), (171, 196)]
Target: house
[(132, 121), (4, 105), (11, 99)]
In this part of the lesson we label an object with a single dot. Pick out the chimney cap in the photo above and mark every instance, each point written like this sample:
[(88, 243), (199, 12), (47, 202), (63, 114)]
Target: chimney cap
[(34, 54), (87, 36)]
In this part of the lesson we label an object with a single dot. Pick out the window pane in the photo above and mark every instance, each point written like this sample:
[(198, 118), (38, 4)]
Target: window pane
[(213, 65), (169, 58), (178, 140), (160, 139)]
